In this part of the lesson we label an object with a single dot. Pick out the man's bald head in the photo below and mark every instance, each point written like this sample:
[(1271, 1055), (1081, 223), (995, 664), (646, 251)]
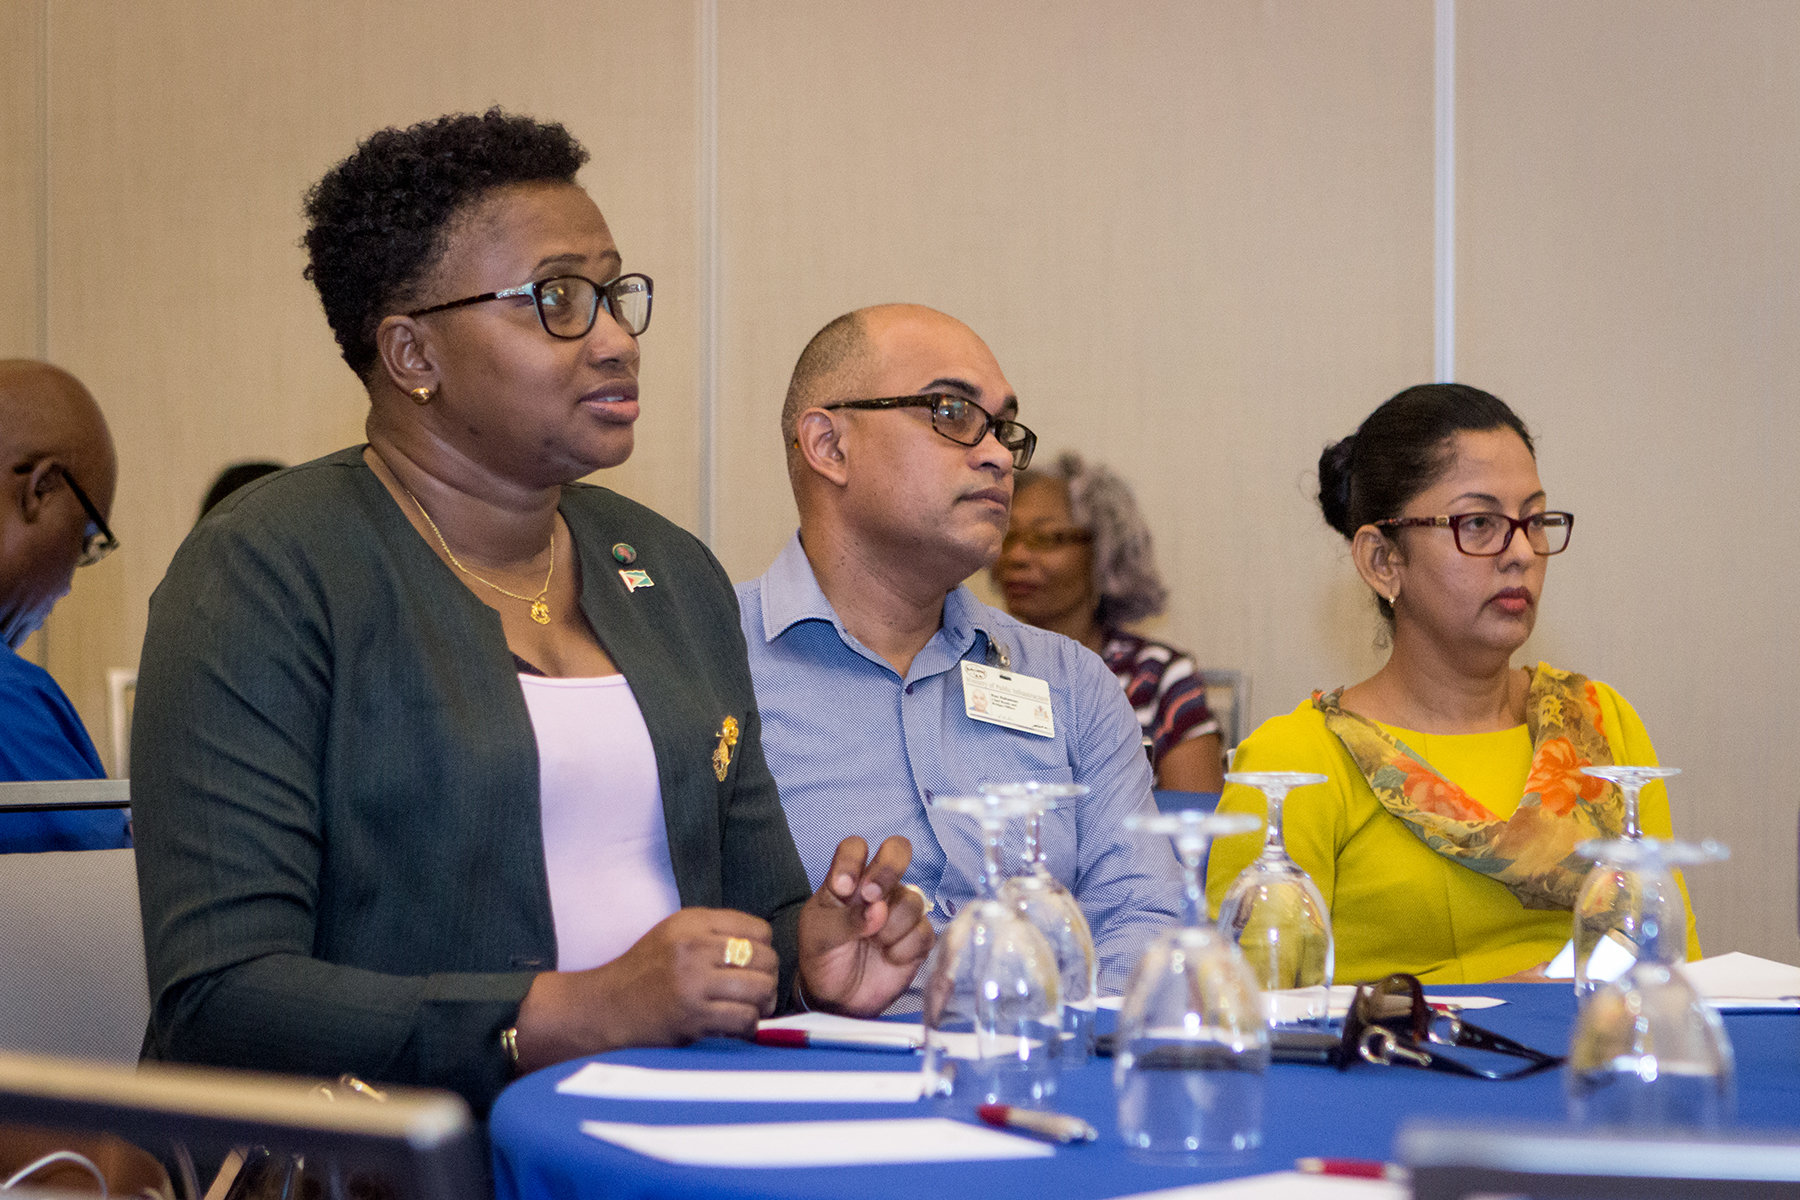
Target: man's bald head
[(840, 359), (837, 355), (44, 410), (52, 435)]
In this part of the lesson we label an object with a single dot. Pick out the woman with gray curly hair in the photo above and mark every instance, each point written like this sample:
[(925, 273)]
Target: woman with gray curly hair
[(1077, 561)]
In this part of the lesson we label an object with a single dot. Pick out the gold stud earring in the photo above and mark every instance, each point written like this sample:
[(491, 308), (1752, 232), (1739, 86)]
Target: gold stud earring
[(421, 395)]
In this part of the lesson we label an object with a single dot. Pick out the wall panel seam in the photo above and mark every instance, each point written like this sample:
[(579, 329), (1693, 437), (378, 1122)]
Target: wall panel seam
[(706, 203), (41, 250), (1444, 189)]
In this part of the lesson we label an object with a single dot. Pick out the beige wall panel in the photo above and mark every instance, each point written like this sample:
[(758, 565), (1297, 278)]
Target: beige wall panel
[(1198, 238), (183, 134), (21, 194), (1627, 248), (21, 174)]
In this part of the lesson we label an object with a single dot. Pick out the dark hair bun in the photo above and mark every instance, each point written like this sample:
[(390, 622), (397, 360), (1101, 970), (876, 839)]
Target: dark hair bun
[(1401, 448), (1334, 485)]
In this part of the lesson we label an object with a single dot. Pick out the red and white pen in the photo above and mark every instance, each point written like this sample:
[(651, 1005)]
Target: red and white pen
[(1052, 1127), (898, 1043), (1352, 1168)]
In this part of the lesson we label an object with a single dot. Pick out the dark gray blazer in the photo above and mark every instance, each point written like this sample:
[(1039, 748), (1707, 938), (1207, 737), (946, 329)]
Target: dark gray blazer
[(335, 786)]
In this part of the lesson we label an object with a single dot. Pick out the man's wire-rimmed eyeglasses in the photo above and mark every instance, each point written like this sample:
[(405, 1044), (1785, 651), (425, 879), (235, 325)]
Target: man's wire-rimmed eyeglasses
[(961, 420), (1486, 534), (567, 305), (98, 541)]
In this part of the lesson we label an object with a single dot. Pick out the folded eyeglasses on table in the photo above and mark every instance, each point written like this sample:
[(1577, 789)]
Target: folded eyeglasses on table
[(1390, 1024)]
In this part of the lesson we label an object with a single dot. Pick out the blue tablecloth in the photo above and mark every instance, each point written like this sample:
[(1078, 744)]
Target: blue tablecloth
[(541, 1154)]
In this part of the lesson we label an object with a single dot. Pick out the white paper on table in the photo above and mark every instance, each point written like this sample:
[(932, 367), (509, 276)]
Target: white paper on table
[(1284, 1185), (616, 1081), (956, 1045), (1292, 1005), (1609, 959), (1742, 981), (817, 1143)]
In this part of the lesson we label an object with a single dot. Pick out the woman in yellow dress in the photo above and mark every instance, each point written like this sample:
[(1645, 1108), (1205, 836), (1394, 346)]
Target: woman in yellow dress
[(1444, 841)]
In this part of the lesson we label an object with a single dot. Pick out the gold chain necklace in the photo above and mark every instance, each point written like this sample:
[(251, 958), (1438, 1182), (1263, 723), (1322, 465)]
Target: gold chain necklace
[(540, 608)]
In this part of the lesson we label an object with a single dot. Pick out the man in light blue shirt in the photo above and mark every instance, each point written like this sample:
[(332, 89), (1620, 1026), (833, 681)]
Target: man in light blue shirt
[(901, 451)]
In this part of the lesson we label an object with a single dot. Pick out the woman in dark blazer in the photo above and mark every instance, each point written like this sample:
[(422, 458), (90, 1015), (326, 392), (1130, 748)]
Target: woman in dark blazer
[(343, 784)]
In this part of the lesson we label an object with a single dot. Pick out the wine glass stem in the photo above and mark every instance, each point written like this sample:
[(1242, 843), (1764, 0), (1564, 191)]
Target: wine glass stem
[(1193, 891), (994, 832), (1272, 844), (1031, 839), (1632, 830)]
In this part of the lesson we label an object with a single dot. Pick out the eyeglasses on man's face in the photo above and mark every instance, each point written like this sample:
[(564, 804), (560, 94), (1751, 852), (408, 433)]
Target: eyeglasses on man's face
[(97, 541), (1486, 534), (567, 305), (961, 420)]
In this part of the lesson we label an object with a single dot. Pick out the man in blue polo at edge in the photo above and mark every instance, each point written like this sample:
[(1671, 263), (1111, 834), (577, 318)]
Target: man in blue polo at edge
[(901, 447), (57, 473)]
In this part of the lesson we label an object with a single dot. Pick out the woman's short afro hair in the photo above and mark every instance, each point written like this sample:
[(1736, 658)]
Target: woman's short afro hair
[(378, 221)]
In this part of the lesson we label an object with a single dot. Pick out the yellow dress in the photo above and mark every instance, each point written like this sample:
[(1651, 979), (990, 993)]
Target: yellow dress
[(1396, 904)]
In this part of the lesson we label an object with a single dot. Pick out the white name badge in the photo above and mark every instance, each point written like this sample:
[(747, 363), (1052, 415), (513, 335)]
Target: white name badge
[(999, 697)]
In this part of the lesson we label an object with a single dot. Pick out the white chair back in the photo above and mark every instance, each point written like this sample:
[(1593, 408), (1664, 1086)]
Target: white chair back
[(121, 698), (72, 979), (1228, 695)]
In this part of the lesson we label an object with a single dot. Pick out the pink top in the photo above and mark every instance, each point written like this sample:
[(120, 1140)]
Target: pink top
[(606, 849)]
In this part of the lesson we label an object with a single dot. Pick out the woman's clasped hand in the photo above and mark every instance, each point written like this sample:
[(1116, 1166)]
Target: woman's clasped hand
[(862, 937)]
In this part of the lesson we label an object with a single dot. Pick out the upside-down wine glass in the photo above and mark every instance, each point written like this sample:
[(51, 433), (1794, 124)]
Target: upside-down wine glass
[(992, 988), (1192, 1046), (1648, 1051), (1605, 909), (1275, 914), (1048, 905)]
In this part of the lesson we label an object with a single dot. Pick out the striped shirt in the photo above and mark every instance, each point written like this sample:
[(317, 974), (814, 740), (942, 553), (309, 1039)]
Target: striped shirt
[(1163, 687)]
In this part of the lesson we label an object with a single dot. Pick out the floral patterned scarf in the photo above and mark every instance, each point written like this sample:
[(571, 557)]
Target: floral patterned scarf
[(1532, 853)]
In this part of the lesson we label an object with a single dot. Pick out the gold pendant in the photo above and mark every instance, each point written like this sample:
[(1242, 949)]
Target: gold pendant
[(540, 611), (721, 758)]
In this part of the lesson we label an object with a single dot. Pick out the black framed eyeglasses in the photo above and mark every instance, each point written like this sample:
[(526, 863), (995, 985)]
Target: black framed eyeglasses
[(567, 305), (1390, 1023), (961, 420), (1486, 534), (98, 541)]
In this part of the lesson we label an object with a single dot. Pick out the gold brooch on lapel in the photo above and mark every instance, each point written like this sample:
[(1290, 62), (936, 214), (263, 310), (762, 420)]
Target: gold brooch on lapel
[(721, 758)]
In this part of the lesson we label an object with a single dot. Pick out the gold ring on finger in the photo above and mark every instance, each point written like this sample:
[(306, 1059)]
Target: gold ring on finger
[(738, 951)]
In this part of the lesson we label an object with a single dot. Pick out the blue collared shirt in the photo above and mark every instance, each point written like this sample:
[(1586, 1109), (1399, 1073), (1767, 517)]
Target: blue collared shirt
[(41, 737), (856, 749)]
